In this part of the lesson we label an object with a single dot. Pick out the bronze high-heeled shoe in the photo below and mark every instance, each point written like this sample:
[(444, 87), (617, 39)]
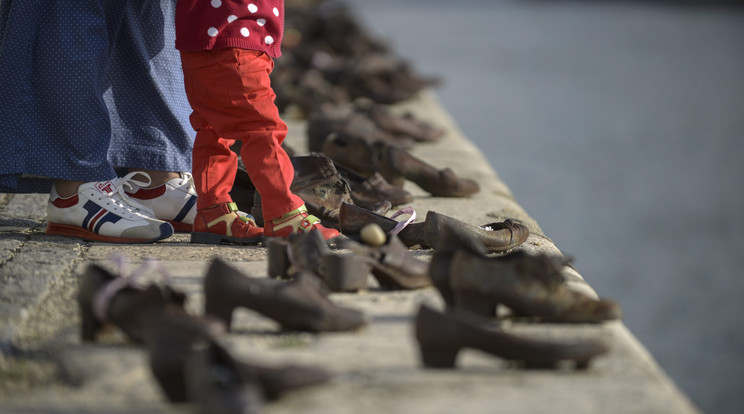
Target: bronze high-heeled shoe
[(495, 237), (393, 265), (296, 305), (441, 336), (107, 298), (309, 253), (530, 285)]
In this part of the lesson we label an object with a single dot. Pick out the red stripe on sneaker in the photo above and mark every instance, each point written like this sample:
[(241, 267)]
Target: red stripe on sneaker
[(60, 202), (94, 220), (149, 193)]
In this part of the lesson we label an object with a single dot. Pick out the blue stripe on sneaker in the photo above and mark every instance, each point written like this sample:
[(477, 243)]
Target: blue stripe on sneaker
[(108, 218), (92, 209), (186, 208)]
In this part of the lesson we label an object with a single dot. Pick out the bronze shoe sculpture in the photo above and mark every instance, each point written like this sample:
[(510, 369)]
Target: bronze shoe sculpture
[(398, 165), (441, 335), (276, 381), (215, 382), (297, 305), (406, 125), (530, 285), (366, 192), (105, 298), (317, 183), (343, 119), (320, 186), (496, 237), (393, 265), (170, 346), (309, 253), (395, 165)]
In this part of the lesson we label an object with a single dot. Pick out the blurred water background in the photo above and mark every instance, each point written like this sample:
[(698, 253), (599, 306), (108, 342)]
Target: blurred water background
[(619, 127)]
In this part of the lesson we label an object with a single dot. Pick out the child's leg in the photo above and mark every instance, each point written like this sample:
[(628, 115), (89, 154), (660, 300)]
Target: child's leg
[(214, 165), (231, 90)]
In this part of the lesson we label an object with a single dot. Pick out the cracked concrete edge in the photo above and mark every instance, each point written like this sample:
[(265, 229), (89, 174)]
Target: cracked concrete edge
[(30, 263)]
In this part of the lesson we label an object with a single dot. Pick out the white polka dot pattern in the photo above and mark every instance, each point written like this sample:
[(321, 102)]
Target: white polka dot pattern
[(251, 24)]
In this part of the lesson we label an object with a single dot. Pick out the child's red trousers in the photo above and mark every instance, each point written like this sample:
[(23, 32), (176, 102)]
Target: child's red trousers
[(231, 97)]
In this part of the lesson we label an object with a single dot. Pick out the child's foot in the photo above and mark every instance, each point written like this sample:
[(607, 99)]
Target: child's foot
[(297, 221), (101, 211), (223, 223), (173, 201)]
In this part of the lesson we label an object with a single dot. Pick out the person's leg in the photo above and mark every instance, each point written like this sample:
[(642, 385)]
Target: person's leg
[(146, 99), (149, 111), (53, 122)]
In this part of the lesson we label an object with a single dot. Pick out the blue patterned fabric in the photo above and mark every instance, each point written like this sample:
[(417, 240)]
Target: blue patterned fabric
[(88, 86)]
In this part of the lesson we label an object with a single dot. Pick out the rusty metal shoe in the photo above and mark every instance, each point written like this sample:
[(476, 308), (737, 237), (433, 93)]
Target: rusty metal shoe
[(278, 380), (530, 285), (398, 165), (353, 153), (495, 237), (352, 218), (105, 298), (367, 192), (441, 336), (406, 125), (309, 253), (393, 265), (171, 345), (297, 305), (320, 186), (216, 383), (343, 119)]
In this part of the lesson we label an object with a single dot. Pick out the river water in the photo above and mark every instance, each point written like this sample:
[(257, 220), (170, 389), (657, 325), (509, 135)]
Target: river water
[(619, 127)]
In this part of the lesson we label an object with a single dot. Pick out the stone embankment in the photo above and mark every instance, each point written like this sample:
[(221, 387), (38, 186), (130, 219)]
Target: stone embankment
[(44, 367)]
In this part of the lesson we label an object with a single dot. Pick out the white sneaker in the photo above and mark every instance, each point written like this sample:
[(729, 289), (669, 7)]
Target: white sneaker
[(174, 201), (101, 211)]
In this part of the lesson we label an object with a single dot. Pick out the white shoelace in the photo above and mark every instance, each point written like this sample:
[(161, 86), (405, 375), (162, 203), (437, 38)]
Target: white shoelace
[(121, 199), (186, 177)]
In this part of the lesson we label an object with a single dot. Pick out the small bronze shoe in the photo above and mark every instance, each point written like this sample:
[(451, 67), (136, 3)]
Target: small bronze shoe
[(320, 186), (441, 336), (216, 383), (299, 305), (530, 285), (105, 298), (309, 253), (371, 190), (495, 237), (398, 165), (393, 265)]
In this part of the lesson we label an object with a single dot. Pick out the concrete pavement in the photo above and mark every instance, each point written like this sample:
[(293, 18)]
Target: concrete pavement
[(45, 368)]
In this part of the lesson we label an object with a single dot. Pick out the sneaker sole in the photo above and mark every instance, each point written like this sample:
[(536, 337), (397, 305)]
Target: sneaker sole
[(81, 233), (213, 238)]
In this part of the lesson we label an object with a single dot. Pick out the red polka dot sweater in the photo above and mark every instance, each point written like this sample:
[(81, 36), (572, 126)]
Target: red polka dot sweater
[(244, 24)]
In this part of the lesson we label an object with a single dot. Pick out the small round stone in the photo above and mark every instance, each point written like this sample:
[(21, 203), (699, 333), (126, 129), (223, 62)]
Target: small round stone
[(373, 235)]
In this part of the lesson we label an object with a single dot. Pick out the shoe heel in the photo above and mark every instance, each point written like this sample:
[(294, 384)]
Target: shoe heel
[(206, 238), (278, 258), (438, 358), (89, 325), (344, 273), (220, 311), (476, 304)]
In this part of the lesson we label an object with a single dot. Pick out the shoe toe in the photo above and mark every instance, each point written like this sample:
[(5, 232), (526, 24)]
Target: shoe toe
[(150, 230)]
